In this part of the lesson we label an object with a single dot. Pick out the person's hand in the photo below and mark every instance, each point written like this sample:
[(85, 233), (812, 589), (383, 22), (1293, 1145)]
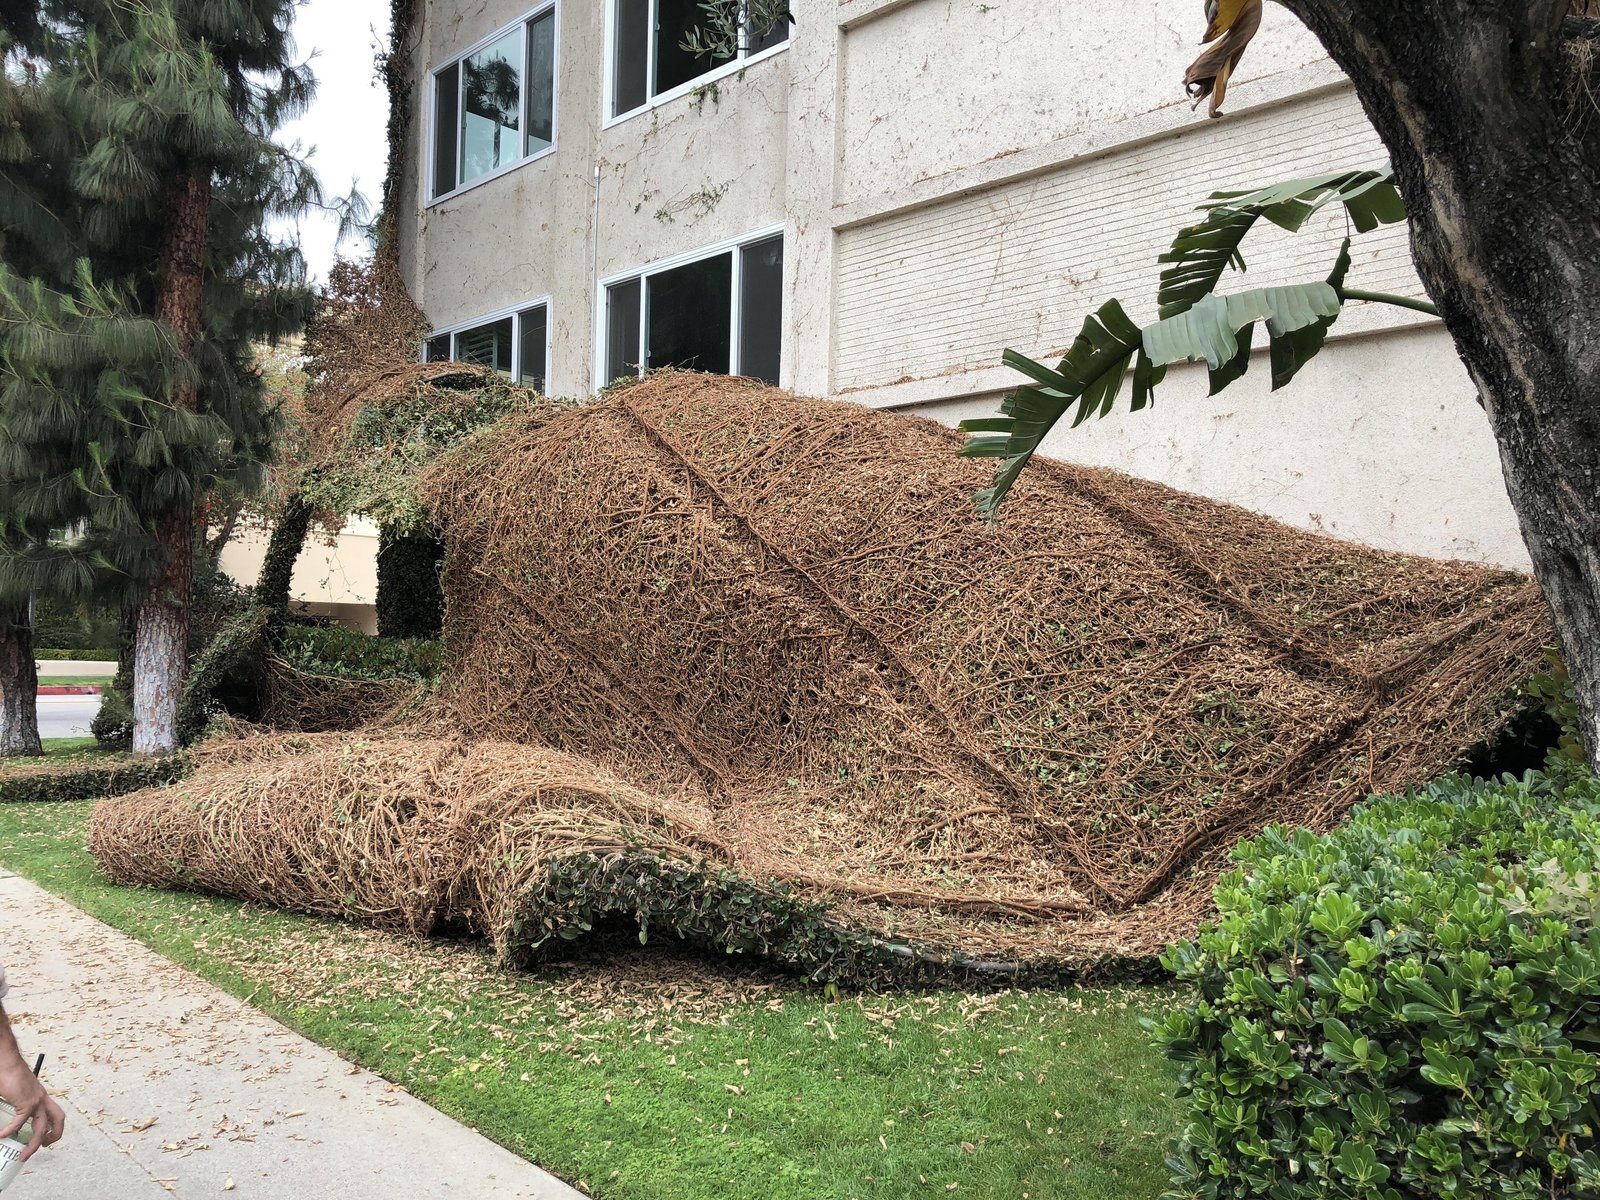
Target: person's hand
[(21, 1089)]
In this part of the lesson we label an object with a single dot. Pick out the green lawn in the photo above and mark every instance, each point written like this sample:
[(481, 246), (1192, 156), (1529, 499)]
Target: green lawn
[(69, 747), (63, 751), (74, 681), (645, 1073)]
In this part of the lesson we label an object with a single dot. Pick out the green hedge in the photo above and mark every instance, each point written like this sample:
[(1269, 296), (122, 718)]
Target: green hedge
[(56, 623), (410, 595), (75, 655), (1407, 1007), (347, 654), (91, 781)]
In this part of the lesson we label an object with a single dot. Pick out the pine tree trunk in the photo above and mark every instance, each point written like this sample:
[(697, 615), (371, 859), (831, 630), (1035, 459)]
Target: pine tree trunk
[(161, 650), (161, 643), (19, 685), (1482, 112)]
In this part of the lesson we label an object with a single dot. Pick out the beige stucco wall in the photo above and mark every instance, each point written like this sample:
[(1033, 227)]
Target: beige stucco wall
[(955, 178), (335, 578)]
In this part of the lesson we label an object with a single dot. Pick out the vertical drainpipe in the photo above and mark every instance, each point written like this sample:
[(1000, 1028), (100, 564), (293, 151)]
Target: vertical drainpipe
[(596, 308)]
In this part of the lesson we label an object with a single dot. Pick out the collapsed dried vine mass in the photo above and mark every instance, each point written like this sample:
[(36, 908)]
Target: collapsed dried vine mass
[(711, 622)]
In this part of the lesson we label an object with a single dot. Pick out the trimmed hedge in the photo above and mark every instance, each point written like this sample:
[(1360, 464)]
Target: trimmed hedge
[(76, 781), (57, 623), (1406, 1007), (75, 656), (410, 594)]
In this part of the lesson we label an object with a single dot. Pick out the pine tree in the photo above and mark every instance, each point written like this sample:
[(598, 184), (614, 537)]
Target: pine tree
[(65, 532), (27, 225), (159, 118)]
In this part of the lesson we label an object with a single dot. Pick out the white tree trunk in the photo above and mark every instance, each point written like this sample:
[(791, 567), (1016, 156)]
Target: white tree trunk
[(161, 641)]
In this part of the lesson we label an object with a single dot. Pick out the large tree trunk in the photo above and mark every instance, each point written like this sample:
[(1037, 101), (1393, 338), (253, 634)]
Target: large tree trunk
[(161, 650), (1475, 101), (19, 685)]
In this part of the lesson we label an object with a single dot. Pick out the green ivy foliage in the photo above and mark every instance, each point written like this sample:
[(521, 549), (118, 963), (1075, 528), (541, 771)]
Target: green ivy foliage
[(92, 782), (348, 654), (234, 650), (717, 909), (374, 470), (1406, 1007)]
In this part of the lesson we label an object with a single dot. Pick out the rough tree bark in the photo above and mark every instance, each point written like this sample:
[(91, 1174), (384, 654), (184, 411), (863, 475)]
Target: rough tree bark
[(161, 649), (19, 685), (1498, 159)]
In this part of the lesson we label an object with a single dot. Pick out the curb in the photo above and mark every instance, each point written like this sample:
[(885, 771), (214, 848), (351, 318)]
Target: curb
[(72, 690)]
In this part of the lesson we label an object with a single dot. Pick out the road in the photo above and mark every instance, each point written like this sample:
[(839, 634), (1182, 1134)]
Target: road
[(66, 716)]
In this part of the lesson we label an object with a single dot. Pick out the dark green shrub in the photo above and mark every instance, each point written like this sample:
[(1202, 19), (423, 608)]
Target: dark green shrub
[(91, 781), (112, 725), (348, 654), (1406, 1007), (215, 602), (410, 596), (84, 655)]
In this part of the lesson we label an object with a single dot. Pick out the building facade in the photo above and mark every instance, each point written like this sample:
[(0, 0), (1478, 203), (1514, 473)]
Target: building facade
[(334, 578), (872, 204)]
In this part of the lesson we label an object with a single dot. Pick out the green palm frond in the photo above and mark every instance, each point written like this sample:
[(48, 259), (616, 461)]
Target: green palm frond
[(1090, 376), (1201, 252), (1217, 331), (1195, 324)]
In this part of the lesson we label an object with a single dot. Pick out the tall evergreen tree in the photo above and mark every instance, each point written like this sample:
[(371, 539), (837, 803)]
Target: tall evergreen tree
[(158, 119), (32, 240)]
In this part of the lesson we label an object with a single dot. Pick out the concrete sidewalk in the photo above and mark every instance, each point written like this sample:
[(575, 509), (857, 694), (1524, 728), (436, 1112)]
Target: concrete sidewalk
[(173, 1088)]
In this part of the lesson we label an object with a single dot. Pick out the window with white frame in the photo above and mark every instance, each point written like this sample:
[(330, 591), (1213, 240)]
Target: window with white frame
[(719, 311), (648, 58), (494, 106), (516, 344)]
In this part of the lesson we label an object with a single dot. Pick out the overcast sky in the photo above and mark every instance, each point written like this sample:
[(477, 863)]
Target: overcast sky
[(346, 126)]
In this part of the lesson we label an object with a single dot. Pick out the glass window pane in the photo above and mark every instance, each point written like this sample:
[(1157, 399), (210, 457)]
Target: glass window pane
[(532, 324), (487, 345), (776, 35), (446, 85), (631, 64), (437, 349), (541, 82), (622, 330), (761, 308), (688, 313), (491, 107), (674, 64)]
